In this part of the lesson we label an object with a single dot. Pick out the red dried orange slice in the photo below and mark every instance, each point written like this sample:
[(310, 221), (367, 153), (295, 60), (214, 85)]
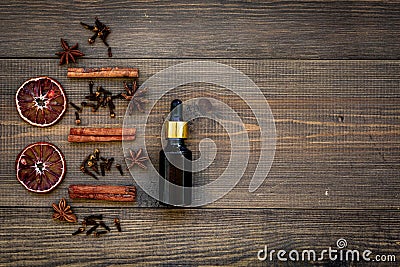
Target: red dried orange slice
[(41, 101), (40, 167)]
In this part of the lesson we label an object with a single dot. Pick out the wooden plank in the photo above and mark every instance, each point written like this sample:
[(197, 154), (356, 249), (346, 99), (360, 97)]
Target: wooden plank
[(337, 128), (191, 236), (206, 29)]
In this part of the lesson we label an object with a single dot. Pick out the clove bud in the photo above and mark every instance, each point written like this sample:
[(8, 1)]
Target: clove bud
[(91, 84), (103, 168), (117, 224), (80, 230), (86, 171), (77, 119), (96, 154), (119, 168), (109, 164)]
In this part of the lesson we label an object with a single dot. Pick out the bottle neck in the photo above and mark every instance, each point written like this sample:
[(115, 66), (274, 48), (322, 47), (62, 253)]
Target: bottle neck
[(175, 141)]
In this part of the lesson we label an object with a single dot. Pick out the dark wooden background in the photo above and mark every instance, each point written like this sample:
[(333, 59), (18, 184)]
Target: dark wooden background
[(330, 72)]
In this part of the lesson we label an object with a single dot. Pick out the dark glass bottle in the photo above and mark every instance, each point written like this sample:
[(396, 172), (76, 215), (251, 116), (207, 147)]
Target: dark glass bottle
[(177, 151)]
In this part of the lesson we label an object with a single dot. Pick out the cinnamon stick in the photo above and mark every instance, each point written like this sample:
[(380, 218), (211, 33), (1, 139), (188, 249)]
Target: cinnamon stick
[(102, 131), (103, 73), (105, 138), (81, 135), (103, 192)]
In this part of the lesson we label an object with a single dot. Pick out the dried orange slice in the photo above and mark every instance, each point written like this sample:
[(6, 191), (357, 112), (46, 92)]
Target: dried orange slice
[(41, 101), (40, 167)]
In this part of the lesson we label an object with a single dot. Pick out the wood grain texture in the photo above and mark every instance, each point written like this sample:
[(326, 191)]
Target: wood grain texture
[(337, 132), (206, 29), (330, 72), (191, 237)]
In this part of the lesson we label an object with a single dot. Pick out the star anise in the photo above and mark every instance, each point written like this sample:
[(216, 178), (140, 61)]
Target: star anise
[(136, 97), (136, 158), (63, 212), (69, 53), (100, 30)]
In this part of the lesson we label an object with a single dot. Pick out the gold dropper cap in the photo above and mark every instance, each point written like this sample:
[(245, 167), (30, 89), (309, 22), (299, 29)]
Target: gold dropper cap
[(176, 126), (177, 129)]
